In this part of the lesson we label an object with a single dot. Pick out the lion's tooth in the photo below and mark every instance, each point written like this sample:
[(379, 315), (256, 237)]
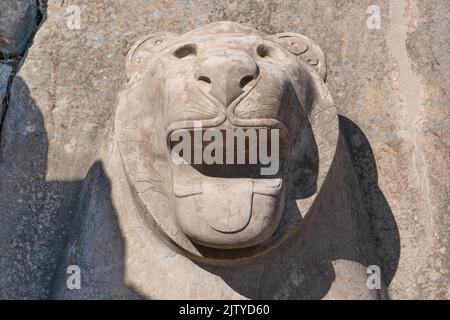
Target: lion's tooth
[(182, 191), (269, 187)]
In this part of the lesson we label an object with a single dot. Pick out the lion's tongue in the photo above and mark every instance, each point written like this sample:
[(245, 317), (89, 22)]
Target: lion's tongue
[(227, 204)]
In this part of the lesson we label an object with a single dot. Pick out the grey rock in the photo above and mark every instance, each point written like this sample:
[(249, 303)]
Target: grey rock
[(5, 77), (5, 73), (18, 21)]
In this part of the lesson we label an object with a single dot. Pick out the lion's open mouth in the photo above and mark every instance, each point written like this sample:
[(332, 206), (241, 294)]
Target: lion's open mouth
[(226, 196)]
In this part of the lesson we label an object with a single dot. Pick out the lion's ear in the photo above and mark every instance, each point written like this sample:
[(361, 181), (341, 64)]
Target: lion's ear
[(145, 48), (306, 49)]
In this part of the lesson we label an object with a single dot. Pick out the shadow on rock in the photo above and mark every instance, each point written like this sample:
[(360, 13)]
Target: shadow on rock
[(45, 226)]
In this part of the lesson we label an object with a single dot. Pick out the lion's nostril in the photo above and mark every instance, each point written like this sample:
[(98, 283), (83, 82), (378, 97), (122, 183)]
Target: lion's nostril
[(245, 80), (204, 79)]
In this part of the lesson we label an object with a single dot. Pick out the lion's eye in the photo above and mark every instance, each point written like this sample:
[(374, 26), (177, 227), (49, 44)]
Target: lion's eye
[(185, 51), (265, 51)]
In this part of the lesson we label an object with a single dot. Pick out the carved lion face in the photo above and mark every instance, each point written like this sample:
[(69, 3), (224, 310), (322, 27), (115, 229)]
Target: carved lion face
[(229, 77)]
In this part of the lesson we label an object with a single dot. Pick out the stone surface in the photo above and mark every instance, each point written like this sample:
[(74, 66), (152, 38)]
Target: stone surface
[(18, 21), (124, 257), (390, 88), (319, 260), (5, 73)]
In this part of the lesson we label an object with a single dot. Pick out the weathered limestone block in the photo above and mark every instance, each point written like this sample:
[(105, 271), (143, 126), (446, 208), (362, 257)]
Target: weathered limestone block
[(389, 85), (208, 232)]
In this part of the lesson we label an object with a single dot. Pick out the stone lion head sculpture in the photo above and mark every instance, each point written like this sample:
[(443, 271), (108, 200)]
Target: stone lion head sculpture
[(225, 75)]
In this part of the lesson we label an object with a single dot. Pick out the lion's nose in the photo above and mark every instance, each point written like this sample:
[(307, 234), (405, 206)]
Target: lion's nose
[(225, 75)]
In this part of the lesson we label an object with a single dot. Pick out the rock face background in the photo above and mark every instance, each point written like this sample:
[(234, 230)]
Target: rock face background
[(389, 78)]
